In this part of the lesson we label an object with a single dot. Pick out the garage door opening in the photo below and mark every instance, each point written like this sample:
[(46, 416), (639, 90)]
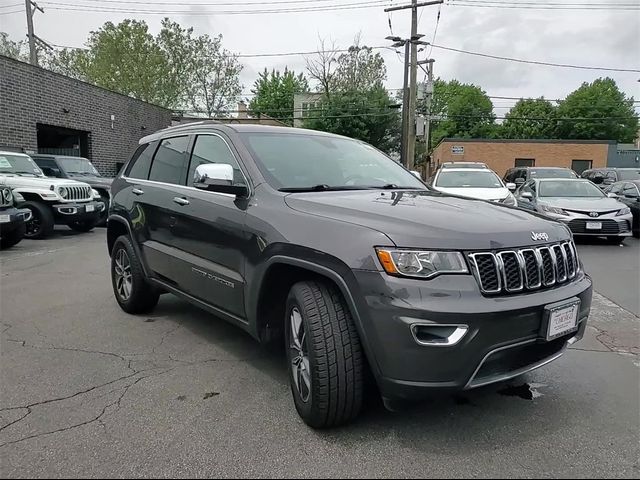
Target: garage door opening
[(62, 141)]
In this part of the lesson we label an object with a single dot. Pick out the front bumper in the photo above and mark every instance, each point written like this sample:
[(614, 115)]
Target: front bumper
[(505, 335), (13, 218), (610, 224), (74, 212)]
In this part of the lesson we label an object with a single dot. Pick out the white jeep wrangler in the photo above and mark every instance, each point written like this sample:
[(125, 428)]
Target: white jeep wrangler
[(51, 201)]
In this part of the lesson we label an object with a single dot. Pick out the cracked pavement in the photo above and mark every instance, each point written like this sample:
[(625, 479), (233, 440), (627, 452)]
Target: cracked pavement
[(89, 391)]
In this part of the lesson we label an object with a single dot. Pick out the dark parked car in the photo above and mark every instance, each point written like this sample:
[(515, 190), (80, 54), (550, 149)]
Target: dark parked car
[(12, 218), (520, 175), (77, 168), (603, 177), (325, 243), (629, 194)]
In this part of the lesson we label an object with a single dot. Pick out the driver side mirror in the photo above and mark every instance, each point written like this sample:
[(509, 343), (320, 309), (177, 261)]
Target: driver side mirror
[(217, 177), (612, 195), (519, 181), (51, 172), (511, 186), (527, 195), (598, 179), (416, 174)]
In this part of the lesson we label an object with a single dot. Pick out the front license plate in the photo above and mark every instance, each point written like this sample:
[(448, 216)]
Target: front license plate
[(90, 208), (562, 320), (594, 225), (5, 218)]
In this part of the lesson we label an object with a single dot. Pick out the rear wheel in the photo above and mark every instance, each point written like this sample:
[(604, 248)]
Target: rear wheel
[(82, 225), (324, 355), (133, 292), (42, 221), (9, 239)]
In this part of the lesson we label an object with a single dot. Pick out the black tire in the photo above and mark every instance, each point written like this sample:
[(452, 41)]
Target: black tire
[(82, 225), (616, 240), (333, 355), (42, 221), (9, 239), (143, 296), (102, 220)]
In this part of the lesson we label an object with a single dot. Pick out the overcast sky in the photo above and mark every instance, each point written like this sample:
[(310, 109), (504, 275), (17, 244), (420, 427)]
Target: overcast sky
[(584, 37)]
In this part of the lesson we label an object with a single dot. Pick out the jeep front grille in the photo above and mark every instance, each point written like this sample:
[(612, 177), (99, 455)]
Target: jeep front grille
[(76, 193), (531, 268)]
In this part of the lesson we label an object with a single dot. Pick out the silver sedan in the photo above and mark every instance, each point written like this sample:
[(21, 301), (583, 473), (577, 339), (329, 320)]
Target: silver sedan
[(579, 204)]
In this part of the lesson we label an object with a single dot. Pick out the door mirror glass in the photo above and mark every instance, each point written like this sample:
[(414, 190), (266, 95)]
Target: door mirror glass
[(217, 177), (511, 186), (527, 195), (519, 181)]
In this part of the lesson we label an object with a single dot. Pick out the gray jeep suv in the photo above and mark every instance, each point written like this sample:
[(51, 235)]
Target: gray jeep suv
[(326, 244)]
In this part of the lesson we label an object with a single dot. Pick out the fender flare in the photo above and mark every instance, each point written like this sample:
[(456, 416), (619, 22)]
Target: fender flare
[(114, 218)]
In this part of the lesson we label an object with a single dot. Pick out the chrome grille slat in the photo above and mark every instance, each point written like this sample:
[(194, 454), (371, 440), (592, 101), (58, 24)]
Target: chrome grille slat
[(531, 268), (76, 193)]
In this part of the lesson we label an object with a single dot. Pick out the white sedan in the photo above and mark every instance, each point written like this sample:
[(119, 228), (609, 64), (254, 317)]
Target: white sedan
[(479, 183)]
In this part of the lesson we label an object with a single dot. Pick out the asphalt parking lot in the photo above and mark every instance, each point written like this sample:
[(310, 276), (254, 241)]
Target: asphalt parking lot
[(90, 391)]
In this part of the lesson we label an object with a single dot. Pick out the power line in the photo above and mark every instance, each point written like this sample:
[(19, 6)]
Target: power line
[(609, 7), (212, 4), (11, 6)]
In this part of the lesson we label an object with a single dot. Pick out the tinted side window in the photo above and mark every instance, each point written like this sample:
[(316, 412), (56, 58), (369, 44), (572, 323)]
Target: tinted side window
[(617, 188), (170, 161), (530, 187), (140, 162), (630, 190), (213, 149)]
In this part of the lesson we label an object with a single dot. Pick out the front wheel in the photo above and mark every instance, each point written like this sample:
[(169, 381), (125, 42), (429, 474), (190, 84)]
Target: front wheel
[(133, 292), (325, 359), (42, 221)]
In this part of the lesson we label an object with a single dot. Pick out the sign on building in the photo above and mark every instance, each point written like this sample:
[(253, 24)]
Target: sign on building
[(457, 150)]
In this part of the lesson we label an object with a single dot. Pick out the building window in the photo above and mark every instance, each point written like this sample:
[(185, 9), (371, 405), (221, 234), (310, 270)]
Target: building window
[(580, 166), (525, 162), (308, 109)]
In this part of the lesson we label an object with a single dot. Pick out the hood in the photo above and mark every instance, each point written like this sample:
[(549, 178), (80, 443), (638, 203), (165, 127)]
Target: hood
[(429, 219), (16, 181), (586, 204), (94, 181), (479, 193)]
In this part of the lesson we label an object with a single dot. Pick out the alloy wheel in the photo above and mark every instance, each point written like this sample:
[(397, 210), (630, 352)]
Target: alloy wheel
[(299, 355), (33, 226), (123, 276)]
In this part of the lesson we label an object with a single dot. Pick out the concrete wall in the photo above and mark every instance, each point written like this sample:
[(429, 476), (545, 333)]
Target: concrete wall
[(30, 95), (500, 155)]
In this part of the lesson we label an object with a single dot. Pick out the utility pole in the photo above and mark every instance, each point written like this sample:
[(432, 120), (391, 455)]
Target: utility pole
[(428, 99), (410, 126), (33, 57), (405, 110)]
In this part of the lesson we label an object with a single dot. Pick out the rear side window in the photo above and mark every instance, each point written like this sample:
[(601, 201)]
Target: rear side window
[(140, 162), (170, 161)]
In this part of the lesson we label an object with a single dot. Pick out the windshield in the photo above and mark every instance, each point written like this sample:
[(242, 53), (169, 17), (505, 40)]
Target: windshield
[(487, 179), (78, 166), (629, 174), (295, 161), (19, 164), (582, 189), (553, 173)]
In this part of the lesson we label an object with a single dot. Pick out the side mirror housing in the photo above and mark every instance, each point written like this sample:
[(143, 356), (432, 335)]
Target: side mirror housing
[(416, 174), (217, 177), (612, 195), (527, 195), (519, 181), (598, 179), (512, 186)]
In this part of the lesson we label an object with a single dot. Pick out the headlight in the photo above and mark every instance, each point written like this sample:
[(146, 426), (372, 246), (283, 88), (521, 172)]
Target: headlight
[(64, 193), (96, 193), (18, 197), (421, 264), (7, 195), (556, 210), (624, 211), (510, 200)]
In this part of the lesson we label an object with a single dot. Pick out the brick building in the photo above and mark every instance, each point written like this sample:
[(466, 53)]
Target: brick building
[(501, 155), (42, 111)]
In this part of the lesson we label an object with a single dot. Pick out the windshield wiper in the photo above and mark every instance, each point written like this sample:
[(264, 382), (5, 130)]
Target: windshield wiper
[(323, 187), (392, 186)]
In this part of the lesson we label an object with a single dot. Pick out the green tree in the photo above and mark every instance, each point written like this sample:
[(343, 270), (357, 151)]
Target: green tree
[(601, 99), (465, 110), (274, 92), (13, 49), (530, 118)]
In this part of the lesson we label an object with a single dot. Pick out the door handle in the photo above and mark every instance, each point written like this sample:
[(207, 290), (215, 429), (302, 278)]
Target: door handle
[(181, 201), (137, 191)]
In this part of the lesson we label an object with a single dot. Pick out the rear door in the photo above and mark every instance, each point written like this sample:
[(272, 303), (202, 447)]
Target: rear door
[(210, 232)]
